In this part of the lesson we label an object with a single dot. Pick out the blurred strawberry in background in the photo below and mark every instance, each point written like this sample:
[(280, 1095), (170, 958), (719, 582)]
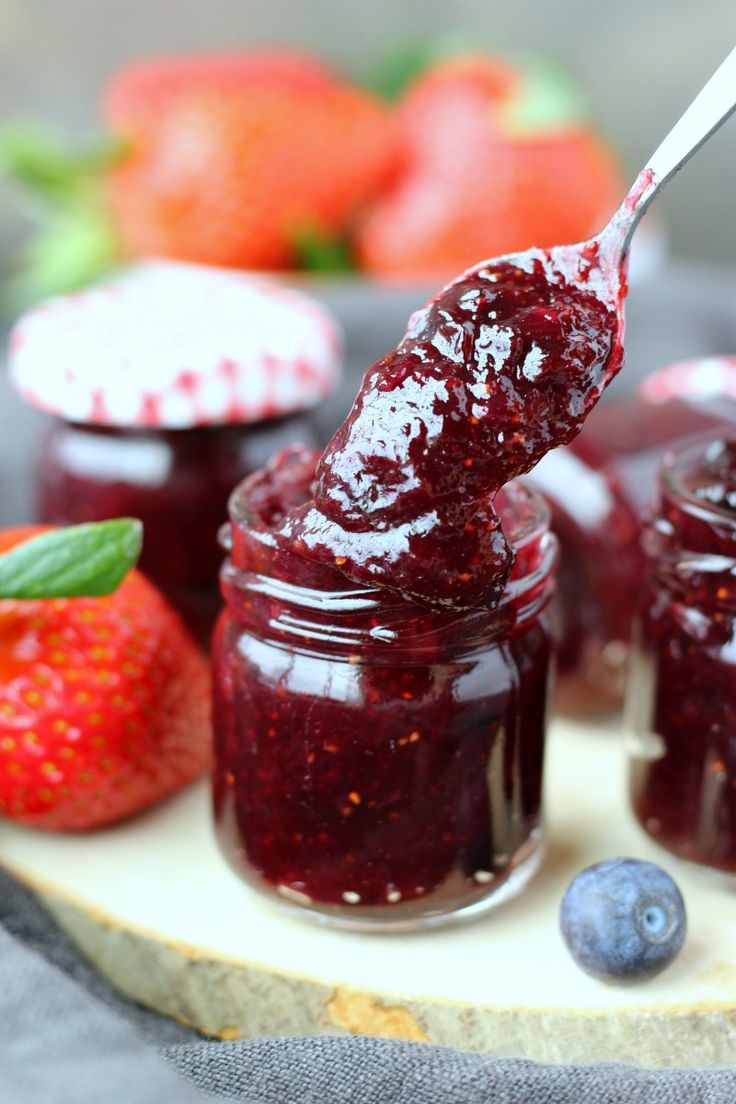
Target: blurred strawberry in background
[(495, 158), (269, 159), (242, 160)]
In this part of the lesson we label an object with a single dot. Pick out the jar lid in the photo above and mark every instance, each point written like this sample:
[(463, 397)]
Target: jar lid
[(691, 380), (174, 346)]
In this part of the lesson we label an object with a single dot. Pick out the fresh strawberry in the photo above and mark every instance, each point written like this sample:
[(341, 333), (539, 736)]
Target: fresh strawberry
[(146, 86), (233, 160), (104, 704), (492, 162)]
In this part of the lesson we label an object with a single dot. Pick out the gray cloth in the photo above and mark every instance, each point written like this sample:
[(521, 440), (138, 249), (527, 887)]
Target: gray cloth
[(67, 1038), (60, 1046), (382, 1071)]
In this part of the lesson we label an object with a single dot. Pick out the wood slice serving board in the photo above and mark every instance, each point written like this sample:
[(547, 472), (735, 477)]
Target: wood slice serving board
[(156, 909)]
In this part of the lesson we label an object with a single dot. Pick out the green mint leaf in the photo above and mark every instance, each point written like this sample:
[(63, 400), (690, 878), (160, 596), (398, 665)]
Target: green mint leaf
[(78, 561)]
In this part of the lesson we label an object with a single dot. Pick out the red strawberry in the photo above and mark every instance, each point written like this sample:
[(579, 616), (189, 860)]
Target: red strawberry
[(104, 705), (146, 86), (234, 158), (475, 184)]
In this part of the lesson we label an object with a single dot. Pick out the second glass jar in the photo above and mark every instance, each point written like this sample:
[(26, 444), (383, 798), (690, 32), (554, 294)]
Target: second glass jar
[(177, 481), (681, 699), (597, 487), (166, 386)]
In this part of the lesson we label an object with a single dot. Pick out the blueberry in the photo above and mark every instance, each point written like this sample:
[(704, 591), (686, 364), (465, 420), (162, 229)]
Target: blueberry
[(623, 920)]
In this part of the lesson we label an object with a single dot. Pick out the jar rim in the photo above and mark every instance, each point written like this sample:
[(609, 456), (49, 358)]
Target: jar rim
[(258, 559), (677, 466), (527, 524)]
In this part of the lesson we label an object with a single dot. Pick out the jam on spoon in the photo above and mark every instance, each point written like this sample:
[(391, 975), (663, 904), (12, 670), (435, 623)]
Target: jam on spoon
[(502, 365)]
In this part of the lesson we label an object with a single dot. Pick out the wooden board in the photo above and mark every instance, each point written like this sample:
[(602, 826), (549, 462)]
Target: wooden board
[(154, 906)]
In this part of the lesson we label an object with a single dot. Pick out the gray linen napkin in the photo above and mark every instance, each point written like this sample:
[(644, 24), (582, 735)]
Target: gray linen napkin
[(382, 1071), (67, 1038), (61, 1046)]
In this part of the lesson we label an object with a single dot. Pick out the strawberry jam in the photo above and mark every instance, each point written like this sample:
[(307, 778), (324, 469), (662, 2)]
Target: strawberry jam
[(378, 763), (681, 697), (500, 367)]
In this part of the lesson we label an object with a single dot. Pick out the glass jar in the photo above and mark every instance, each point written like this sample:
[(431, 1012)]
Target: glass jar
[(597, 488), (681, 699), (176, 481), (168, 386), (378, 764)]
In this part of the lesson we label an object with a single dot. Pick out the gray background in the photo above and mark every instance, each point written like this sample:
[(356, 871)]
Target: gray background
[(641, 61)]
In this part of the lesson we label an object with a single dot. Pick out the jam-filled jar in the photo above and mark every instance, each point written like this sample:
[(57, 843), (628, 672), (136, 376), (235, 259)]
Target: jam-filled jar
[(681, 698), (167, 386), (597, 488), (377, 763)]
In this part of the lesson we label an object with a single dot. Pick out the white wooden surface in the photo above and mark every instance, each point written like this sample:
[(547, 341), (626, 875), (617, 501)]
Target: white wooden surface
[(158, 910)]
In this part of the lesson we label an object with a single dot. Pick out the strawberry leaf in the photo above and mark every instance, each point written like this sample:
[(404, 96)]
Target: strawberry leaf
[(319, 253), (398, 68), (548, 99), (403, 64), (31, 156), (74, 562), (62, 191), (76, 246)]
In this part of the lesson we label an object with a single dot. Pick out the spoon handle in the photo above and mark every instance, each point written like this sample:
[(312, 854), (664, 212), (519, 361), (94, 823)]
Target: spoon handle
[(709, 110)]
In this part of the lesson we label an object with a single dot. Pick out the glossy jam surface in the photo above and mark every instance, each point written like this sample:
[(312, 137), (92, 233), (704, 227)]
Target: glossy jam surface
[(612, 466), (177, 482), (501, 366), (682, 697), (373, 757)]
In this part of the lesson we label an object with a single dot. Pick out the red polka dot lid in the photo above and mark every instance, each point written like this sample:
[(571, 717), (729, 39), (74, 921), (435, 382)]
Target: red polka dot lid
[(691, 380), (175, 346)]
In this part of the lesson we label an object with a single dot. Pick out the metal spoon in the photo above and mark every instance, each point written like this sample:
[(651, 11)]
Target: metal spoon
[(600, 264)]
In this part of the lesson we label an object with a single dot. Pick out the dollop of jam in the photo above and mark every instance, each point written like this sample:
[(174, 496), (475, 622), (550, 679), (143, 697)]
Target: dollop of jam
[(499, 367)]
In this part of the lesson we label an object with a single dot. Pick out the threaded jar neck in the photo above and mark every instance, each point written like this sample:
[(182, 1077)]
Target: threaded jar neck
[(282, 595), (690, 536)]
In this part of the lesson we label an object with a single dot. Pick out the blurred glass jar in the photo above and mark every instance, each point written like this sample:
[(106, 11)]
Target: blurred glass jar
[(597, 488), (681, 697), (377, 764), (168, 386)]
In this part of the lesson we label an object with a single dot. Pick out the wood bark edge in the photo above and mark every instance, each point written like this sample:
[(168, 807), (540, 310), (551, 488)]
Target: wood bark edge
[(232, 999)]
